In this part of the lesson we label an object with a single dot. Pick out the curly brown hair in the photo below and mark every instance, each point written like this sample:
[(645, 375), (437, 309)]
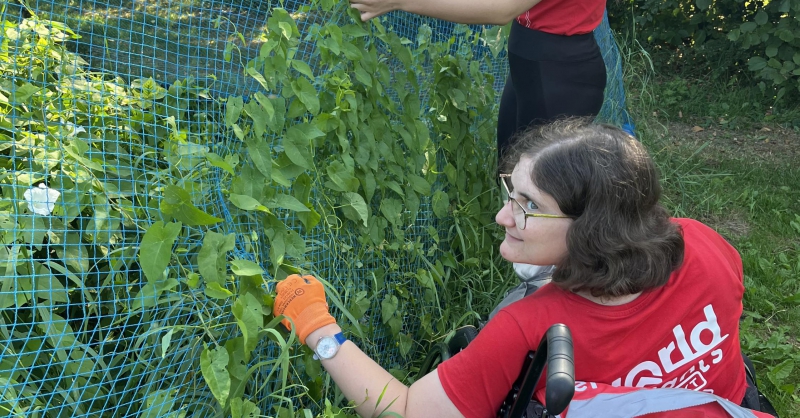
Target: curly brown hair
[(622, 240)]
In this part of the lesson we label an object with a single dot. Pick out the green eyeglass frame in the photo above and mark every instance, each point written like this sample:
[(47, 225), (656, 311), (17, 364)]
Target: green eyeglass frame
[(520, 214)]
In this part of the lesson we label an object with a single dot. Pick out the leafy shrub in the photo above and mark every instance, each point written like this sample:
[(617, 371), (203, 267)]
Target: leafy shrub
[(727, 34), (145, 288)]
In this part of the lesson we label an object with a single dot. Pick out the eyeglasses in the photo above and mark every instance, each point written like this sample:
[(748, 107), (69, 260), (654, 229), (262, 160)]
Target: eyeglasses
[(520, 214)]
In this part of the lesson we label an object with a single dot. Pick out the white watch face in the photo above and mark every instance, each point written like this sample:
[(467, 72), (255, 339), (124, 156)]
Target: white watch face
[(327, 347)]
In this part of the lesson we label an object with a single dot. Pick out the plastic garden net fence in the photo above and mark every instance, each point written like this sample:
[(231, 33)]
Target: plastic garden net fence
[(128, 181)]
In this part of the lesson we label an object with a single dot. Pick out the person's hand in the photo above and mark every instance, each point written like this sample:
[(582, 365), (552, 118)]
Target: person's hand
[(374, 8), (303, 300)]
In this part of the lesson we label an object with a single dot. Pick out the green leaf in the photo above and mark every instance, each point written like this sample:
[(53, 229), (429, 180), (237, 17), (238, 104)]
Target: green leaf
[(405, 342), (252, 72), (703, 4), (244, 409), (217, 161), (355, 208), (155, 249), (297, 147), (212, 258), (233, 110), (388, 307), (216, 291), (303, 68), (342, 177), (241, 267), (295, 244), (247, 311), (260, 155), (213, 365), (73, 253), (391, 209), (748, 27), (259, 117), (22, 94), (307, 95), (363, 76), (761, 17), (286, 201), (236, 364), (48, 286), (756, 63), (177, 203), (158, 404), (245, 202), (419, 184), (771, 51), (440, 203), (165, 341)]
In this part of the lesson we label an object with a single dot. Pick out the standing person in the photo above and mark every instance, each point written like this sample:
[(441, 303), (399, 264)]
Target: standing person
[(652, 301)]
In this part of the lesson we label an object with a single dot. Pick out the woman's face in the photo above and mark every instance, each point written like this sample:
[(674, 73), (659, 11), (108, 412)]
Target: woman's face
[(544, 240)]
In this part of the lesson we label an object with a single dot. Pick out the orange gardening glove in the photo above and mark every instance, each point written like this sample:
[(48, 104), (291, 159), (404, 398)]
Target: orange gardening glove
[(303, 300)]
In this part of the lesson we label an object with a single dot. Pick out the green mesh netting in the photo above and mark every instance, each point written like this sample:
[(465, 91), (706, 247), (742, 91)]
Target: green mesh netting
[(79, 337)]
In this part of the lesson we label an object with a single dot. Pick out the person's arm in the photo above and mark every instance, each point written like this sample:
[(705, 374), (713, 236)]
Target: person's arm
[(482, 12), (364, 381), (359, 377)]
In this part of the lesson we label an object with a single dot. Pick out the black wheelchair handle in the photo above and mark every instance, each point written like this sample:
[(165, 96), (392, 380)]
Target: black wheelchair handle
[(560, 369), (556, 353)]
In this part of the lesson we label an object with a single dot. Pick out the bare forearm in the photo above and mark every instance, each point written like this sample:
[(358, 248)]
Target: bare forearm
[(488, 12), (485, 12), (361, 379)]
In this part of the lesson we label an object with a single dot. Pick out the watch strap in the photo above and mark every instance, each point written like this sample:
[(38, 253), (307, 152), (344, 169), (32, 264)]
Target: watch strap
[(340, 338)]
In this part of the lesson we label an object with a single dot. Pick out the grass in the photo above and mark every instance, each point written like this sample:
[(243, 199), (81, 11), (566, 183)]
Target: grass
[(727, 153)]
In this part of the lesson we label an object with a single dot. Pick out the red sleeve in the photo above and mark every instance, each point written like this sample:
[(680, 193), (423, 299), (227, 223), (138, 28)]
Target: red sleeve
[(478, 378)]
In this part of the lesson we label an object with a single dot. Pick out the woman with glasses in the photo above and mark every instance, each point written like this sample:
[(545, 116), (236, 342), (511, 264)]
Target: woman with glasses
[(652, 301)]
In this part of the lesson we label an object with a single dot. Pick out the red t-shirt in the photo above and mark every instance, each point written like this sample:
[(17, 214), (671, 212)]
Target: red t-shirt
[(684, 334), (573, 17)]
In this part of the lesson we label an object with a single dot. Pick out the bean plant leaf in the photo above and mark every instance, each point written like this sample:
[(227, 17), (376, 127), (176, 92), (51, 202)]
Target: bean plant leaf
[(286, 201), (405, 342), (233, 110), (440, 203), (165, 341), (259, 117), (242, 408), (214, 366), (306, 94), (177, 203), (211, 260), (355, 208), (303, 68), (217, 291), (260, 155), (245, 268), (158, 404), (247, 311), (296, 146), (217, 161), (391, 210), (245, 202), (388, 307), (155, 249), (419, 184)]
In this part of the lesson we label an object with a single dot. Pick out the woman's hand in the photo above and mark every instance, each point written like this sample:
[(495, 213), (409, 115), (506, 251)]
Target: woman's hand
[(374, 8), (303, 300)]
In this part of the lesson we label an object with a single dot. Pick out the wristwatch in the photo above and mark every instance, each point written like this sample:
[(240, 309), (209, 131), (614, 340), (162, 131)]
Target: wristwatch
[(328, 346)]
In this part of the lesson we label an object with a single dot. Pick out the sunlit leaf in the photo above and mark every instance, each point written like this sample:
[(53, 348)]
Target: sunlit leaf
[(214, 366), (155, 250)]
